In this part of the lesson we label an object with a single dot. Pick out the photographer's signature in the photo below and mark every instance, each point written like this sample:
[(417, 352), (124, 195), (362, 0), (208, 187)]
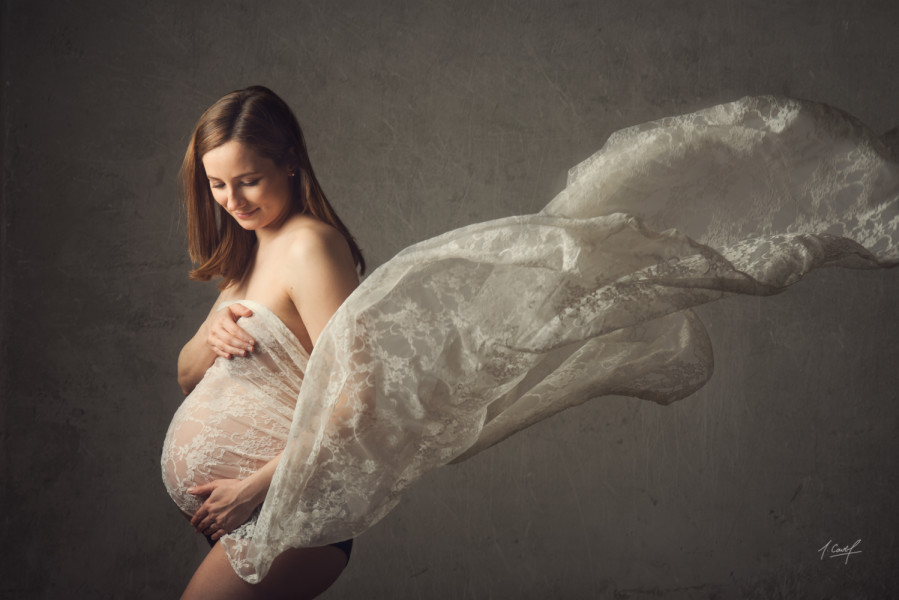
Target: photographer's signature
[(834, 550)]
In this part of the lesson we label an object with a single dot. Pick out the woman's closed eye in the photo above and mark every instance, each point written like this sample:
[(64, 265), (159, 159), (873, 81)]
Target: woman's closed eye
[(217, 185)]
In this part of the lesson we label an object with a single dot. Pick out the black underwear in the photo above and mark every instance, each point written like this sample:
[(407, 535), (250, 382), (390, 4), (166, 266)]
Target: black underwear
[(346, 546)]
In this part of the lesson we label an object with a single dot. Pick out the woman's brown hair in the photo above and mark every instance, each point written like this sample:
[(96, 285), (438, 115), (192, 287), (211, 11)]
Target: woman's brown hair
[(258, 118)]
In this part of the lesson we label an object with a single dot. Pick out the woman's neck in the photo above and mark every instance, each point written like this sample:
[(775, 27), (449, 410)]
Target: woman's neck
[(270, 232)]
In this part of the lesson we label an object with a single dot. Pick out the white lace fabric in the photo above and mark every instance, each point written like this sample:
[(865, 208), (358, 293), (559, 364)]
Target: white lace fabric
[(238, 417), (461, 340)]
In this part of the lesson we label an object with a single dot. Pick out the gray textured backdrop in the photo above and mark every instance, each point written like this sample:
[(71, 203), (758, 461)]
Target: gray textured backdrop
[(420, 117)]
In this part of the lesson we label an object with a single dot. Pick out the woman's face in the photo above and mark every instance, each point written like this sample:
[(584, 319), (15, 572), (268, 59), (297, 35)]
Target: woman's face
[(253, 189)]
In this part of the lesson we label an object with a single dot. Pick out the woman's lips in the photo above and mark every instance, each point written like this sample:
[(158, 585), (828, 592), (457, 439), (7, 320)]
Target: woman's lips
[(244, 215)]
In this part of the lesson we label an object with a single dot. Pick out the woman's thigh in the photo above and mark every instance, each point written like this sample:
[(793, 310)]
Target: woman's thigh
[(296, 574)]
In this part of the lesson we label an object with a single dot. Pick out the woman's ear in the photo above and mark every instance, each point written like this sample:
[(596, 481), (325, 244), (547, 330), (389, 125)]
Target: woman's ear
[(292, 162)]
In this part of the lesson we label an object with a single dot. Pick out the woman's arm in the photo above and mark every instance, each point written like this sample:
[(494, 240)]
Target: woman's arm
[(319, 274), (219, 335)]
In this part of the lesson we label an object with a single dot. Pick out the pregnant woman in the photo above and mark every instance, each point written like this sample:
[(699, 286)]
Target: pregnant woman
[(283, 455), (286, 263)]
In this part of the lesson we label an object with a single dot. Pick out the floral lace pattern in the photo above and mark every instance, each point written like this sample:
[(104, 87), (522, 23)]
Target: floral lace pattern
[(238, 417), (463, 339)]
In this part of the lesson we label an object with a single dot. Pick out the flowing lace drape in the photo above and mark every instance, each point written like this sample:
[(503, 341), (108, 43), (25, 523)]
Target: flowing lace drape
[(463, 339)]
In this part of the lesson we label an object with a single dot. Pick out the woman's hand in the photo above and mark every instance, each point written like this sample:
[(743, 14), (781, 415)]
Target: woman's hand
[(219, 335), (231, 501), (225, 337), (229, 504)]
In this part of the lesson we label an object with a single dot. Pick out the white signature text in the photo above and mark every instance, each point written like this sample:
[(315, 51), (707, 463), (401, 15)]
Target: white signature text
[(834, 550)]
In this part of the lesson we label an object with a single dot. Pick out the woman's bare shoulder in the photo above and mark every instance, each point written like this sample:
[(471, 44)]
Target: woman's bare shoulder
[(317, 271), (306, 241)]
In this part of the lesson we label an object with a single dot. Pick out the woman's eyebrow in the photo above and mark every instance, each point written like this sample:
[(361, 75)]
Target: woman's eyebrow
[(208, 176)]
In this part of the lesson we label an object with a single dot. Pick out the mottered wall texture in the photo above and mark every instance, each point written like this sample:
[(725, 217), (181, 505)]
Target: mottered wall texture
[(421, 117)]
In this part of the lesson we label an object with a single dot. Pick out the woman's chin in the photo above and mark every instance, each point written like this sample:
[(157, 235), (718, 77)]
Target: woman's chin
[(249, 221)]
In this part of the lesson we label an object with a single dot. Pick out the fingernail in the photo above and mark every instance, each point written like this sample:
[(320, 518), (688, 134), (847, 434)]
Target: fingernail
[(249, 348)]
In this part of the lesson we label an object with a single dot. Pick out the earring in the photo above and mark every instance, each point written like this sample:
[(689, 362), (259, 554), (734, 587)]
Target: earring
[(292, 173)]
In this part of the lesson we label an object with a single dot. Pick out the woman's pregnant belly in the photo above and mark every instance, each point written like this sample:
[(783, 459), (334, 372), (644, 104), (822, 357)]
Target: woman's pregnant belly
[(227, 428)]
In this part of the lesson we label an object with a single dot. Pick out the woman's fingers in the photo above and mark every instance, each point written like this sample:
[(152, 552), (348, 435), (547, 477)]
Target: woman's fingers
[(226, 337), (223, 510), (198, 517), (237, 338), (226, 343), (241, 310), (202, 490), (207, 525), (203, 517), (235, 312), (215, 528), (229, 346)]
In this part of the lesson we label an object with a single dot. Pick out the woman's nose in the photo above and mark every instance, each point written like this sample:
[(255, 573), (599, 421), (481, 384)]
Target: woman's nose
[(235, 200)]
